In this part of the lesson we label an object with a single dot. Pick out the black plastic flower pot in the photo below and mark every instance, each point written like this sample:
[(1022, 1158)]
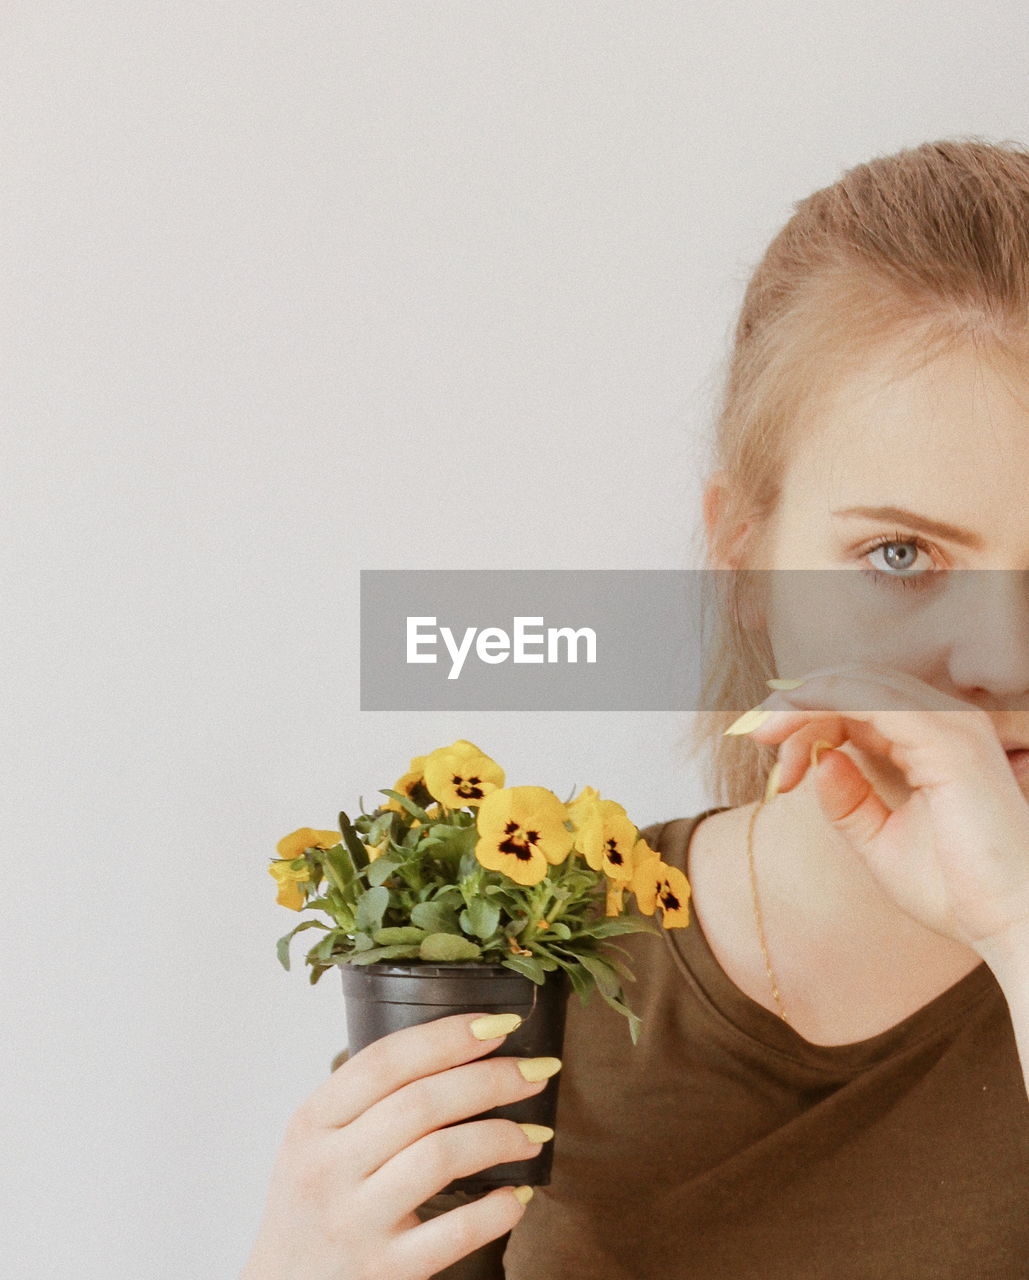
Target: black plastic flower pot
[(382, 998)]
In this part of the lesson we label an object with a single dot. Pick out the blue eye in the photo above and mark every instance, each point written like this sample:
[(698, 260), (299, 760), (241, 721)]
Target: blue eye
[(901, 577)]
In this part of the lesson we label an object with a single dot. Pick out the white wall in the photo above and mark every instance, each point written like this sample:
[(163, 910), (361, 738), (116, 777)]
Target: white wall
[(293, 290)]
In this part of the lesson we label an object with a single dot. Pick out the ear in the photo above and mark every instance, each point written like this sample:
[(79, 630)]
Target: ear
[(715, 494)]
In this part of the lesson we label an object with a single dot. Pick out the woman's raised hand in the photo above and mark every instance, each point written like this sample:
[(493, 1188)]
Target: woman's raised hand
[(368, 1146), (955, 854)]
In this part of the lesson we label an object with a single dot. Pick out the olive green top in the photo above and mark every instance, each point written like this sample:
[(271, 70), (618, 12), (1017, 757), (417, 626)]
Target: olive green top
[(725, 1146)]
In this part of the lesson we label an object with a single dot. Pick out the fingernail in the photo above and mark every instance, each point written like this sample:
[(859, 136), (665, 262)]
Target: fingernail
[(523, 1194), (491, 1025), (749, 720), (537, 1132), (539, 1068), (772, 785), (783, 684), (820, 745)]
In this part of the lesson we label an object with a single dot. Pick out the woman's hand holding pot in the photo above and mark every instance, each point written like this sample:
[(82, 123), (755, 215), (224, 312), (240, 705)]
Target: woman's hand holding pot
[(370, 1145)]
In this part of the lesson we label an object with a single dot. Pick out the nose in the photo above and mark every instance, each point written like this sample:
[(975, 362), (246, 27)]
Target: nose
[(989, 633)]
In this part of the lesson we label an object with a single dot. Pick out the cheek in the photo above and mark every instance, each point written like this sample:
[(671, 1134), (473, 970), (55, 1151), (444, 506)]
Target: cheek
[(813, 623), (834, 617)]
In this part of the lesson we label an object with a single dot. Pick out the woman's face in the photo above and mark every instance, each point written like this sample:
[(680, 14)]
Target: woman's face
[(949, 446)]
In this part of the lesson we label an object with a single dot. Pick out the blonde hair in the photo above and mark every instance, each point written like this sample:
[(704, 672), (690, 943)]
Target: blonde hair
[(927, 249)]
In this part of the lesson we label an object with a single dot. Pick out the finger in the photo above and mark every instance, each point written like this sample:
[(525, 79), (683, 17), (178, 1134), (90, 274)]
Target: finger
[(434, 1245), (391, 1062), (848, 799), (919, 741), (911, 691), (794, 755), (425, 1167), (428, 1104)]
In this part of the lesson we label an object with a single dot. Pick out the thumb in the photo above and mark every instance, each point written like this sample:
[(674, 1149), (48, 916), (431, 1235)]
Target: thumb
[(847, 798)]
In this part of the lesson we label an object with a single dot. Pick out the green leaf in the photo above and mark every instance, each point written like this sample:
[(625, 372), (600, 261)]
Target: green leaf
[(560, 928), (382, 868), (405, 934), (371, 907), (282, 946), (380, 828), (354, 843), (384, 953), (580, 980), (448, 946), (339, 869), (608, 928), (407, 803), (601, 971), (322, 950), (340, 912), (483, 917), (435, 917), (635, 1022), (621, 969), (529, 966)]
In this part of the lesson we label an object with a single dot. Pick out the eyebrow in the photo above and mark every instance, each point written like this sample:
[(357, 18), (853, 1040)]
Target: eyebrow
[(935, 528)]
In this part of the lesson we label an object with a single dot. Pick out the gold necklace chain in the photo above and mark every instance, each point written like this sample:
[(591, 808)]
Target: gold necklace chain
[(757, 914)]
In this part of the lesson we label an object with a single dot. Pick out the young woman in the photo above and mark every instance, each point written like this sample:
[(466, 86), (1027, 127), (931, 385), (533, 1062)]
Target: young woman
[(832, 1073)]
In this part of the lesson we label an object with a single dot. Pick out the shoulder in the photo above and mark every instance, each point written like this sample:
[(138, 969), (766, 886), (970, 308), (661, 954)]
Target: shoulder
[(672, 837)]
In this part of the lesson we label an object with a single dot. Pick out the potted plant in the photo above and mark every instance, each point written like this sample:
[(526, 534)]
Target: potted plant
[(458, 893)]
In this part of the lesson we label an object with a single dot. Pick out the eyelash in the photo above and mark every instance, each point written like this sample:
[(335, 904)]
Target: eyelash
[(915, 581)]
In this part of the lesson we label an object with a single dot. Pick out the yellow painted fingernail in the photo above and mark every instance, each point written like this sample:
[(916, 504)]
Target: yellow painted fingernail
[(820, 745), (539, 1068), (772, 785), (537, 1132), (491, 1025), (783, 684), (749, 721), (523, 1194)]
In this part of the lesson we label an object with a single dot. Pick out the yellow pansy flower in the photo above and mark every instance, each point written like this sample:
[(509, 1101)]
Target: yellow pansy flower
[(293, 845), (405, 784), (584, 812), (461, 775), (522, 832), (377, 850), (290, 893), (656, 884), (613, 901), (642, 852), (619, 840), (289, 849), (604, 834)]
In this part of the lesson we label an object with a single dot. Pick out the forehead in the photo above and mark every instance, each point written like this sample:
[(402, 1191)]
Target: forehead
[(949, 438)]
